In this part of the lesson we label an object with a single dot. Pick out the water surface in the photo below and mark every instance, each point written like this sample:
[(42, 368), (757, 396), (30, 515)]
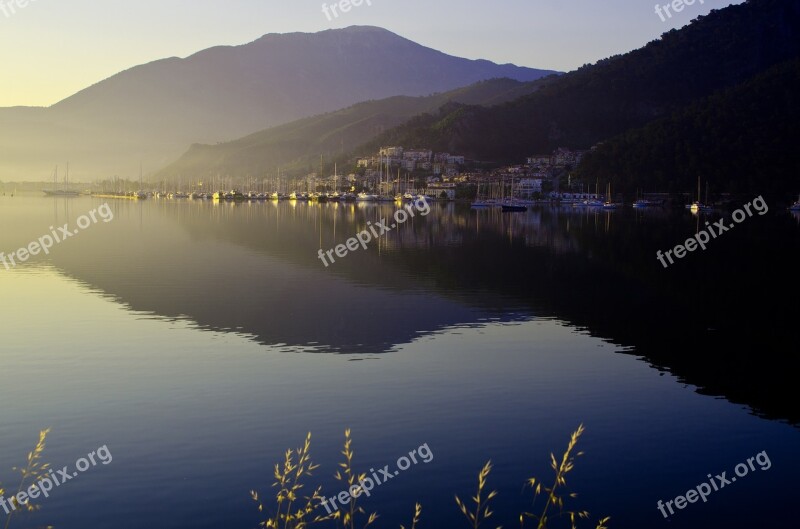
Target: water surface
[(200, 340)]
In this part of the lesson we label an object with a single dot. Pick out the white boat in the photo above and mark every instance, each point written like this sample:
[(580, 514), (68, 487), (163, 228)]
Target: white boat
[(367, 197), (594, 203), (608, 204)]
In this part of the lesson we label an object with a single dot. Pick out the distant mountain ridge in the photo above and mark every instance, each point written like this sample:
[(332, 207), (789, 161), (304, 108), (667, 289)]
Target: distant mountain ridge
[(298, 145), (152, 112)]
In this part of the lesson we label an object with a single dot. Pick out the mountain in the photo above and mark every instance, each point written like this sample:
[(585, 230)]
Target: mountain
[(299, 144), (749, 131), (153, 111), (597, 102)]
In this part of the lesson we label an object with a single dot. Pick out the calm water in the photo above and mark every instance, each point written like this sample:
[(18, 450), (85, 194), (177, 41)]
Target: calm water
[(199, 341)]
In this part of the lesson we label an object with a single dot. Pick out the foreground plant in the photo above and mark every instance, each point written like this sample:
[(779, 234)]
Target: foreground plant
[(289, 482), (353, 482), (554, 499), (482, 511), (33, 471), (417, 516)]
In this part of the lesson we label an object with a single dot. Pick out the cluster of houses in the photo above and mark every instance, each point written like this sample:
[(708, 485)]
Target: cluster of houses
[(530, 178), (411, 160), (397, 169)]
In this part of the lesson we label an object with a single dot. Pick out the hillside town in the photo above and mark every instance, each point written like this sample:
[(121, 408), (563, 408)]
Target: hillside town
[(445, 175)]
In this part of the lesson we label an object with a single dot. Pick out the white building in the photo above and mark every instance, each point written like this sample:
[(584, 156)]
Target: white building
[(418, 156), (529, 186), (391, 152)]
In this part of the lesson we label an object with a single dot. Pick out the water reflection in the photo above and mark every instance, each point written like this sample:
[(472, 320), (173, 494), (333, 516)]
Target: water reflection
[(252, 268)]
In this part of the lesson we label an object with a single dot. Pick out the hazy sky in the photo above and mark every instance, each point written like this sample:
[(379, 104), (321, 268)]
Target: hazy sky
[(53, 48)]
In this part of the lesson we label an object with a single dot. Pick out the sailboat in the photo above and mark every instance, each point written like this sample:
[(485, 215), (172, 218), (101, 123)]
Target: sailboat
[(512, 206), (481, 202), (644, 203), (141, 194), (398, 196), (698, 206), (380, 197), (64, 192), (592, 202), (335, 196), (372, 197), (608, 204)]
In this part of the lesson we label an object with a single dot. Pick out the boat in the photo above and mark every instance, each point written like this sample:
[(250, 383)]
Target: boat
[(233, 195), (367, 197), (592, 203), (513, 206), (642, 203), (589, 202), (796, 205), (63, 192), (697, 206), (608, 204), (481, 202)]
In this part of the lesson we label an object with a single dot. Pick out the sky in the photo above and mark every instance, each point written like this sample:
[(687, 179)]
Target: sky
[(50, 49)]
